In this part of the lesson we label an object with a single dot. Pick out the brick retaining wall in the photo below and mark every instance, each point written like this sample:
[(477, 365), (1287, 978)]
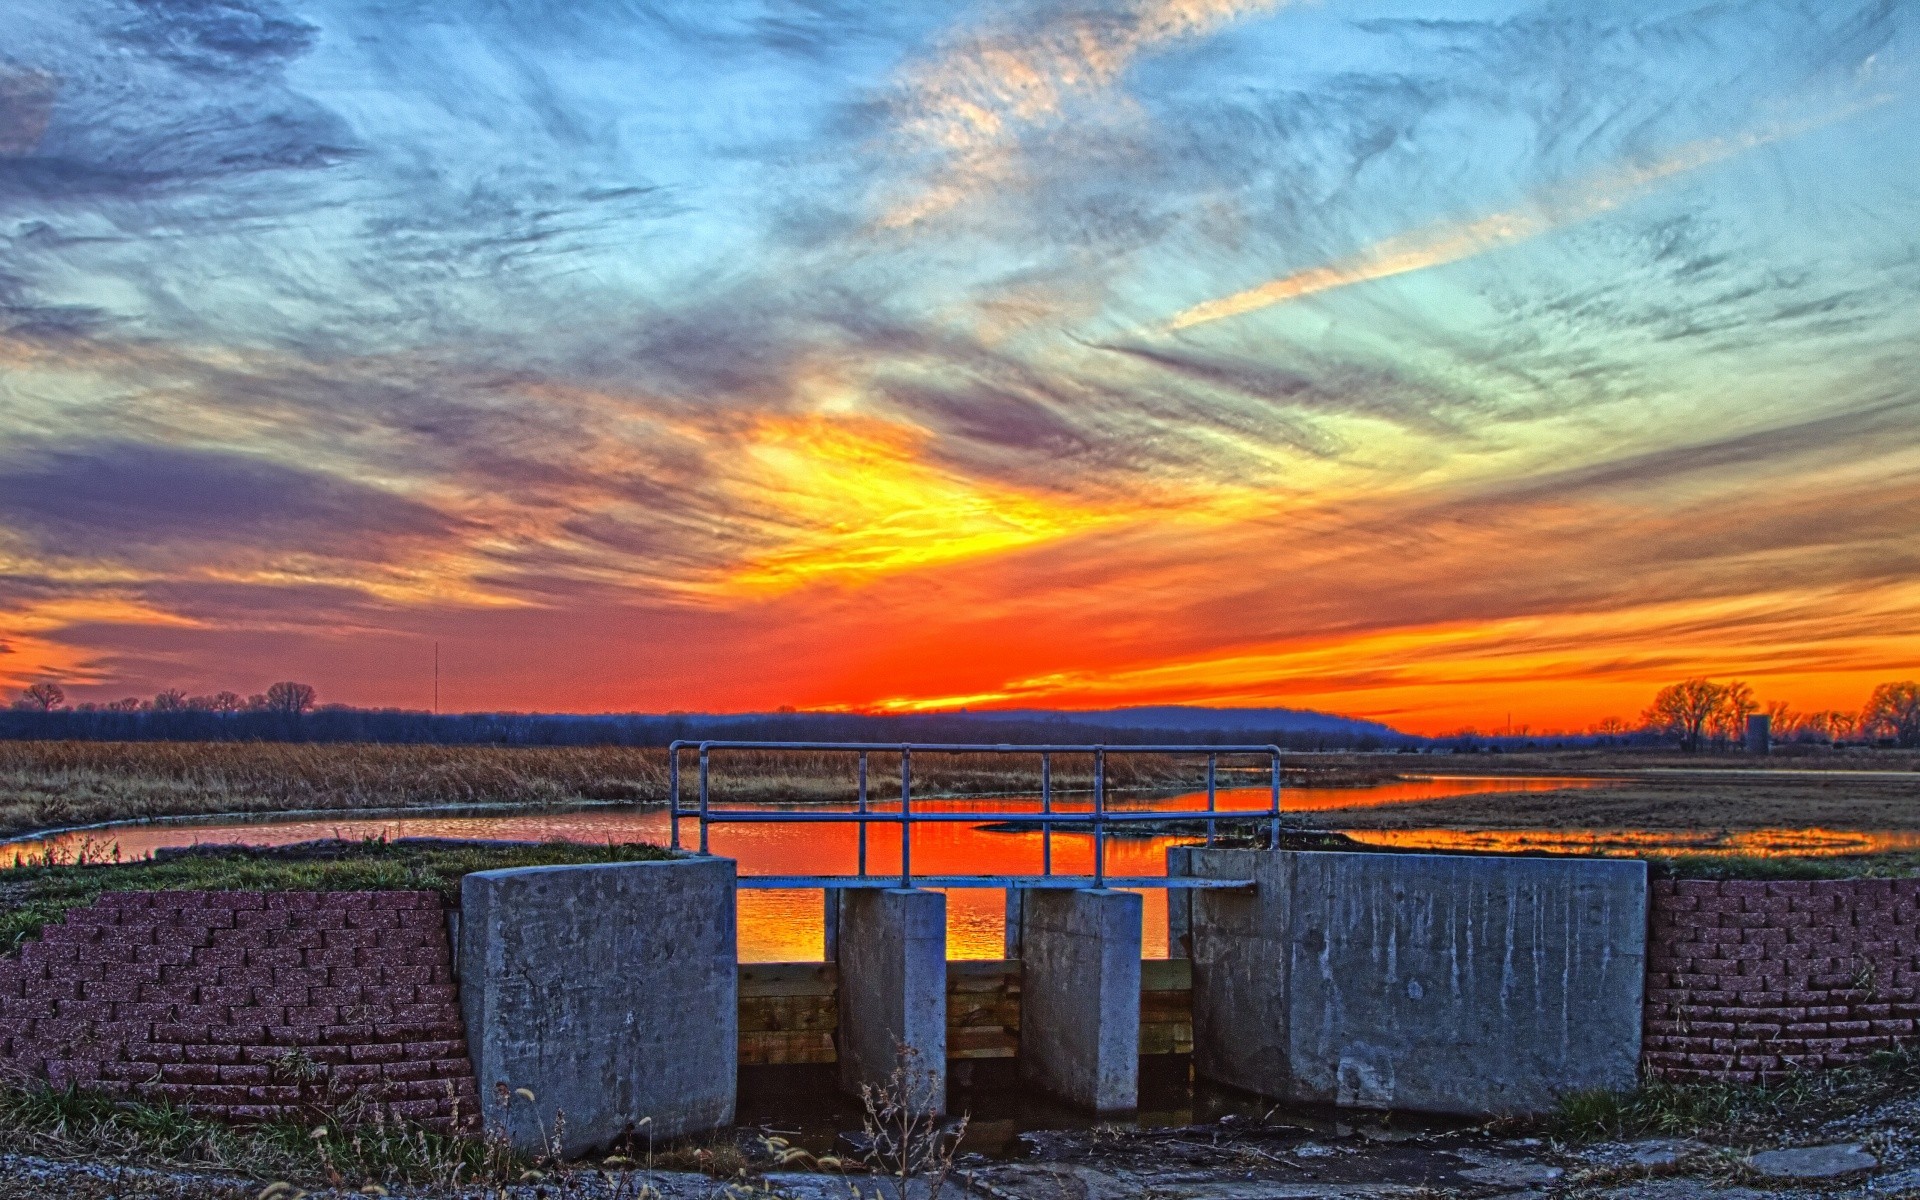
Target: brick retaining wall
[(1749, 980), (248, 1005)]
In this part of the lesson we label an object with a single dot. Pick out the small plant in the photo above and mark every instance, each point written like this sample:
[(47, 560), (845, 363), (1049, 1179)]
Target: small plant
[(906, 1138)]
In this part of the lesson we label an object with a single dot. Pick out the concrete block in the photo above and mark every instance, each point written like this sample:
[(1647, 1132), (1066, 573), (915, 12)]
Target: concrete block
[(1179, 904), (1427, 982), (610, 991), (1080, 996), (893, 991)]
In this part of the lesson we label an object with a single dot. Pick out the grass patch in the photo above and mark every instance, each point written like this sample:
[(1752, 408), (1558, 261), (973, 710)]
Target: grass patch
[(1733, 1111), (34, 895), (68, 1125), (345, 1149), (1708, 866)]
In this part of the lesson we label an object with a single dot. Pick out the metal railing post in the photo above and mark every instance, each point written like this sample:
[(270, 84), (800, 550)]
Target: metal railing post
[(906, 817), (1099, 816), (1213, 762), (703, 799), (1046, 806), (673, 795), (1274, 843), (863, 814)]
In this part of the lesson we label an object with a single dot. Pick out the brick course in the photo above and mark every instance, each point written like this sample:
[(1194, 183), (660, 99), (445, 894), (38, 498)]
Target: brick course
[(247, 1005), (1748, 980)]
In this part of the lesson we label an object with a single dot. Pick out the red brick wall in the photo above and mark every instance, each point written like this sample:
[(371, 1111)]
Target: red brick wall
[(1749, 980), (249, 1005)]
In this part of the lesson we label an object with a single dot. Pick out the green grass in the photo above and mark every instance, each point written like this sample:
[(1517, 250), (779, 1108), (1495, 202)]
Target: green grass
[(1709, 866), (76, 1124), (1734, 1110), (32, 896)]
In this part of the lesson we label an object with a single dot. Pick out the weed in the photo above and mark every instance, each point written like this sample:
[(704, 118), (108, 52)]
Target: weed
[(905, 1136), (1733, 1109)]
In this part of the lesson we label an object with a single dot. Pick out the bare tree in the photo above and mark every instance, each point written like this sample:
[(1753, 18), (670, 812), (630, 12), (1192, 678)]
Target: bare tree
[(1683, 710), (227, 702), (291, 698), (1729, 721), (171, 700), (1894, 711), (45, 696)]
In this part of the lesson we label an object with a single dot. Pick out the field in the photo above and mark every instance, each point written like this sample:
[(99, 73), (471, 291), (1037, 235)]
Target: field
[(1879, 790), (47, 785)]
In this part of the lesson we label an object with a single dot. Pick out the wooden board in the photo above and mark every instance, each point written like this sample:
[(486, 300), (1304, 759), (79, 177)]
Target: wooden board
[(790, 1011)]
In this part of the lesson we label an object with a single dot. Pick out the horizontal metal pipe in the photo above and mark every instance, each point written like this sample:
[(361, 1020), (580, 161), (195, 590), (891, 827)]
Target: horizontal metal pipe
[(985, 748), (1183, 882), (920, 816)]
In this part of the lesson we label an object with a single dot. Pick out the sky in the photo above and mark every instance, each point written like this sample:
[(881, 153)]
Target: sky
[(1443, 364)]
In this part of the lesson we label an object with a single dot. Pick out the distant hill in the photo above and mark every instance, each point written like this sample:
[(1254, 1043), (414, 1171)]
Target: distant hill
[(1187, 718), (1290, 728)]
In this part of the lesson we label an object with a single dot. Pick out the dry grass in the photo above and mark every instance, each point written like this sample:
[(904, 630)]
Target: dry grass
[(1693, 801), (49, 785)]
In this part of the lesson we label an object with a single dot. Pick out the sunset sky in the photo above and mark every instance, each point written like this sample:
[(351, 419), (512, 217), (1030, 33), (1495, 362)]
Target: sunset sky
[(1421, 361)]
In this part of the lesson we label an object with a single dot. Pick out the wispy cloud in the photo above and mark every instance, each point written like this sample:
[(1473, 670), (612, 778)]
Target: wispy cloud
[(966, 110), (1554, 208)]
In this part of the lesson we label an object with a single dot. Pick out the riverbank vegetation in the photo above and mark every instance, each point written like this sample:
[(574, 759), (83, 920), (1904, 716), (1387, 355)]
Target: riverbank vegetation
[(33, 895), (49, 785)]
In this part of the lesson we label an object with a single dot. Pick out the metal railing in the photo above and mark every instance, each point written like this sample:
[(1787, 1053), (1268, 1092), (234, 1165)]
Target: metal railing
[(1098, 817)]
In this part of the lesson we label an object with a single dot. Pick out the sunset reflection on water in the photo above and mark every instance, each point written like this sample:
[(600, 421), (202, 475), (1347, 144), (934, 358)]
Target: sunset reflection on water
[(1757, 843)]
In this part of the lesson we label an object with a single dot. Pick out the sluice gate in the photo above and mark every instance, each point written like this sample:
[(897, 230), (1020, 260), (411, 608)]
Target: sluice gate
[(1440, 983)]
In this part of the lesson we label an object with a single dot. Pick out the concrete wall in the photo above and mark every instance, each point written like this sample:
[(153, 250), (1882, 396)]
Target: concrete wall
[(892, 948), (1080, 995), (610, 991), (1439, 983)]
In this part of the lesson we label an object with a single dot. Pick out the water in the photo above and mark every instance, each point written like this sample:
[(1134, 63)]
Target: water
[(786, 925)]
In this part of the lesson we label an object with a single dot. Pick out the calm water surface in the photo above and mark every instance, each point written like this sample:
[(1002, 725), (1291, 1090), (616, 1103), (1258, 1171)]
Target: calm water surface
[(786, 925)]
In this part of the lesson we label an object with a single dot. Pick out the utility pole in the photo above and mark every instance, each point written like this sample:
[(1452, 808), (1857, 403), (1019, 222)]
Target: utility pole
[(436, 679)]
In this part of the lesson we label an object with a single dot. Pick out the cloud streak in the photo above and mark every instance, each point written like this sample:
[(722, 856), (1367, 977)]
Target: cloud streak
[(1556, 208)]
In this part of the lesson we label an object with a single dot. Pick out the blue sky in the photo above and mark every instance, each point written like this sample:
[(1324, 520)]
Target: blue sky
[(1419, 360)]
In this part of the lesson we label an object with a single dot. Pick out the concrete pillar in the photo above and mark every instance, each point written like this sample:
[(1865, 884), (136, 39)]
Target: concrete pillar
[(610, 991), (1080, 995), (893, 991), (1179, 904), (830, 925), (1427, 982)]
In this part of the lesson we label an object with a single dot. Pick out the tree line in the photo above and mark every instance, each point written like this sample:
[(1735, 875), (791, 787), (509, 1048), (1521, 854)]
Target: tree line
[(1702, 712), (290, 712), (1695, 713), (287, 698)]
